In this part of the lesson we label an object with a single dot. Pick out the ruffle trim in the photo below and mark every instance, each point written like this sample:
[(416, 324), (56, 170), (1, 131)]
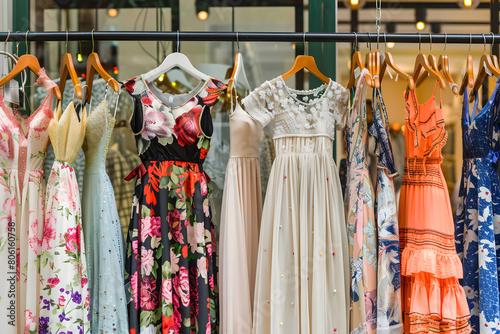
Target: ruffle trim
[(435, 305), (440, 265)]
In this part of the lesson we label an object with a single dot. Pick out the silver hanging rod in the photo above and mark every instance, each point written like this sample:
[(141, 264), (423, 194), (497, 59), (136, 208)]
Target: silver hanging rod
[(247, 37)]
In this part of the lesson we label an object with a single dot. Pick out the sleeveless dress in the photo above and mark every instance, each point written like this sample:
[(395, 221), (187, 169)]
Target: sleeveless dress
[(302, 279), (241, 215), (102, 229), (433, 300), (477, 229), (22, 194), (361, 224), (389, 315), (64, 300), (170, 266)]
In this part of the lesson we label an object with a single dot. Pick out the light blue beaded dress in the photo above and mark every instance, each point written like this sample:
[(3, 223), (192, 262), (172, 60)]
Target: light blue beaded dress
[(102, 229)]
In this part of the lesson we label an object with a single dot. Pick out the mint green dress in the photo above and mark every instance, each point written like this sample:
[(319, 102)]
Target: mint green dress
[(102, 229)]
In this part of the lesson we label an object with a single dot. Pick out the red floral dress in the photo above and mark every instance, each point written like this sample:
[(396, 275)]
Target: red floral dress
[(170, 267)]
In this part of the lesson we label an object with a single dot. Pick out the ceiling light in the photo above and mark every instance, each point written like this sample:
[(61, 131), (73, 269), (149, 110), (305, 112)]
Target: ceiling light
[(420, 14), (112, 12), (468, 4), (420, 25), (354, 4), (203, 15), (390, 45)]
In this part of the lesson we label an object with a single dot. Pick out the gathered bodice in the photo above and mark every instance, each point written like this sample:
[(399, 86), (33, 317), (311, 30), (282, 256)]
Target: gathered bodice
[(481, 132), (173, 127), (424, 132), (299, 113), (245, 134), (100, 124), (67, 132)]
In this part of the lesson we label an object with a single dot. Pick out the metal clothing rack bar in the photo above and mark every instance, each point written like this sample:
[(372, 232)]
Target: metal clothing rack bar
[(249, 37)]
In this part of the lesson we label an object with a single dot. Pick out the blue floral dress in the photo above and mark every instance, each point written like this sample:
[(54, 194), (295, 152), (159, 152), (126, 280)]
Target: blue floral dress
[(477, 231), (389, 316)]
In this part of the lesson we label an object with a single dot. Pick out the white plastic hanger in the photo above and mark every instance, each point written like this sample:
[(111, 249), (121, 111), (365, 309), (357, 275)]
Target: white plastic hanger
[(175, 59), (241, 69)]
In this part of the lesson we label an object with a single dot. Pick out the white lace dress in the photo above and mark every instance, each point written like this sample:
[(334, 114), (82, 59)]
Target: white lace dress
[(302, 282)]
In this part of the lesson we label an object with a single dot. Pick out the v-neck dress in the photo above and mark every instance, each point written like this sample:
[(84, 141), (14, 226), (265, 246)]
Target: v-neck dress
[(477, 229), (170, 267), (433, 300), (23, 143), (64, 299)]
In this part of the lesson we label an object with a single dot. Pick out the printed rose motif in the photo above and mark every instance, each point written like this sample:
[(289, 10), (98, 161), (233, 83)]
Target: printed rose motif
[(49, 234), (204, 185), (53, 281), (129, 85), (174, 262), (29, 320), (202, 267), (166, 290), (209, 249), (203, 153), (157, 124), (176, 228), (213, 89), (181, 285), (195, 236), (84, 282), (150, 227), (72, 237), (168, 325), (187, 127), (149, 298), (62, 300), (147, 260)]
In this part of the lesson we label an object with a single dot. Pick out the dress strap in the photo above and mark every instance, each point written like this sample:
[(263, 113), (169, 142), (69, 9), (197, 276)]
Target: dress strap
[(440, 95), (465, 108)]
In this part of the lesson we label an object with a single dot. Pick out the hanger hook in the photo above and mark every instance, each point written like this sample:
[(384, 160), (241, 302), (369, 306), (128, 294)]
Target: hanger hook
[(492, 42), (6, 40), (430, 39), (445, 40), (378, 35), (419, 42), (306, 52), (238, 41), (355, 41), (369, 40), (385, 42), (93, 40), (178, 41), (484, 44), (470, 41), (66, 41), (26, 41)]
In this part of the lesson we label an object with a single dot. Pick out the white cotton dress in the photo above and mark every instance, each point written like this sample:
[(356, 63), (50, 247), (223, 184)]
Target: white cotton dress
[(302, 280)]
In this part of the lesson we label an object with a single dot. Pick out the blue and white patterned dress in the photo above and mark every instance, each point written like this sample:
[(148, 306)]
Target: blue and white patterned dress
[(389, 316), (477, 229)]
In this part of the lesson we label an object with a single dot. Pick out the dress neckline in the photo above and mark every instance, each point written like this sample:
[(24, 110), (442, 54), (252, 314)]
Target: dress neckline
[(471, 118), (199, 89), (293, 92)]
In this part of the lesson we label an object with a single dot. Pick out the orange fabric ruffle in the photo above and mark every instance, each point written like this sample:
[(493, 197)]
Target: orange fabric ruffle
[(435, 305), (441, 265)]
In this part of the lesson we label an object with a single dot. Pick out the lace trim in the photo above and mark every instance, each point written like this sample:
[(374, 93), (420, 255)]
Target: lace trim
[(361, 329)]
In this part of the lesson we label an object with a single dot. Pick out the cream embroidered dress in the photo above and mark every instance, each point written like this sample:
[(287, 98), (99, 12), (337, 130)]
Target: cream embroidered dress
[(302, 282), (64, 300), (22, 193)]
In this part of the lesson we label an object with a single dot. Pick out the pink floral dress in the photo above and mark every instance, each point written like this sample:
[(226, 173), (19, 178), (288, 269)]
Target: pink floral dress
[(22, 193)]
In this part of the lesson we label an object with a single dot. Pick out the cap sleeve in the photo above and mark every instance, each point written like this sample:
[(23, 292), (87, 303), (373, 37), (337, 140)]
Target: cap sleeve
[(259, 104), (339, 104)]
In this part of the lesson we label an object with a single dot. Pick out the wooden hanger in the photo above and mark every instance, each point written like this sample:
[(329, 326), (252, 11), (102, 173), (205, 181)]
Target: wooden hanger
[(389, 62), (444, 68), (306, 62), (93, 65), (468, 77), (31, 62), (67, 67), (357, 62), (422, 66), (485, 63), (373, 65)]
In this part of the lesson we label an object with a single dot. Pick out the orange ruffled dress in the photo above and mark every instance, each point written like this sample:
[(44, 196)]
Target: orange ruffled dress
[(433, 300)]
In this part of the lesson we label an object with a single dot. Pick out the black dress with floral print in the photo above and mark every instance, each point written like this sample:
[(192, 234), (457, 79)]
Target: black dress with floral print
[(170, 262)]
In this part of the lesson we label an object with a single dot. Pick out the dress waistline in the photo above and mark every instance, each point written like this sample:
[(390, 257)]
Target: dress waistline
[(142, 169)]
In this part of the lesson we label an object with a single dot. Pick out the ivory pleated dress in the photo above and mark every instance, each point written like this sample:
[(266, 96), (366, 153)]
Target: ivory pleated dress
[(433, 300), (241, 215), (302, 280)]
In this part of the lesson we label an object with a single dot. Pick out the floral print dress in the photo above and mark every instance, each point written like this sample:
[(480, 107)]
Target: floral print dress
[(477, 233), (22, 194), (361, 219), (170, 257), (64, 299), (389, 316)]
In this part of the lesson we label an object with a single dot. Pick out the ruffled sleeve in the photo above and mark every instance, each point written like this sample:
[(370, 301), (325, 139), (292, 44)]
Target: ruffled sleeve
[(44, 80), (259, 104), (340, 106)]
